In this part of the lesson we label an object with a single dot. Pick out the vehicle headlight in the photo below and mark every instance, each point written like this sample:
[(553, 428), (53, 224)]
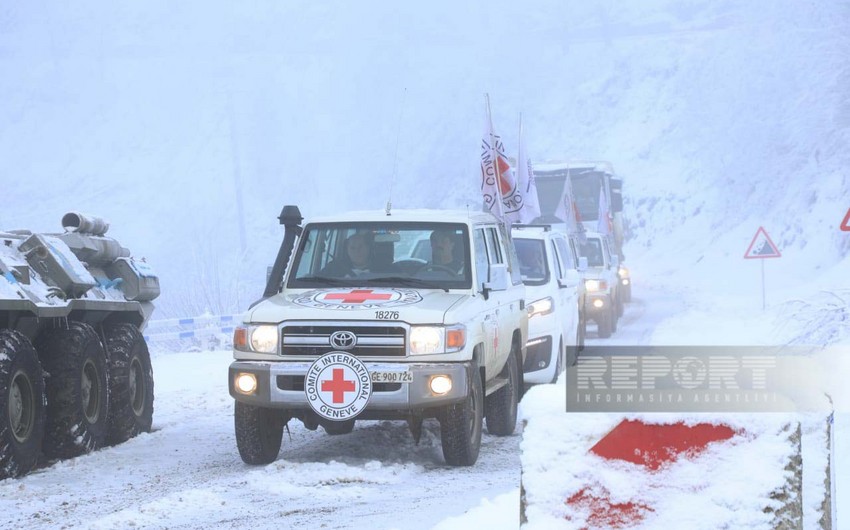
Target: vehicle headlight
[(623, 273), (541, 307), (437, 339), (595, 285), (262, 338)]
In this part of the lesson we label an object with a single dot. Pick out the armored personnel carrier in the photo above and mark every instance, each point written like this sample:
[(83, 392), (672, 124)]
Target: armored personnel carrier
[(75, 372)]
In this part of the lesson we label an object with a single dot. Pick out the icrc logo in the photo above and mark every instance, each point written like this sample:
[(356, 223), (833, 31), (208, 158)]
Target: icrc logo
[(343, 340)]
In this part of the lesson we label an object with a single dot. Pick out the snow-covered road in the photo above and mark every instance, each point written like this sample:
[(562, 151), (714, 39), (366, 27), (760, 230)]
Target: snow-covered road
[(188, 474)]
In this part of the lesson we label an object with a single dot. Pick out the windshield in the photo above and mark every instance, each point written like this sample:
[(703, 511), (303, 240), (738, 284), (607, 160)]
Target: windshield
[(532, 261), (592, 250), (429, 255)]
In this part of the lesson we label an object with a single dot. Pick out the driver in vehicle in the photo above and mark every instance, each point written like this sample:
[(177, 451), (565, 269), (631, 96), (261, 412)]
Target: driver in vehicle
[(443, 252), (355, 261)]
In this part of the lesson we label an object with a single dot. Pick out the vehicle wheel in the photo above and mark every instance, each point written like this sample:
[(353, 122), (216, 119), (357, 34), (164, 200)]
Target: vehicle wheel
[(582, 329), (620, 305), (77, 390), (22, 398), (501, 405), (614, 319), (572, 351), (603, 325), (559, 363), (259, 431), (335, 428), (461, 423), (627, 293), (130, 383)]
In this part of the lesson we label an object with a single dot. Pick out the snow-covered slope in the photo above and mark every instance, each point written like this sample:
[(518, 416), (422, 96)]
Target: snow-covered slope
[(163, 118)]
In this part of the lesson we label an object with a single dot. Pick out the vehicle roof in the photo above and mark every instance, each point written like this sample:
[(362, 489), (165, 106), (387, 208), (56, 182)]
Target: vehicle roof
[(412, 215), (534, 232), (599, 165)]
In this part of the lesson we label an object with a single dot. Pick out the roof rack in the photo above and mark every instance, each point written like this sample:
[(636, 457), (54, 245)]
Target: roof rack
[(546, 228)]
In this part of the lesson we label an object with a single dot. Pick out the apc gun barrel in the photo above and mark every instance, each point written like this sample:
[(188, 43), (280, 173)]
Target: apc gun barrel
[(77, 222)]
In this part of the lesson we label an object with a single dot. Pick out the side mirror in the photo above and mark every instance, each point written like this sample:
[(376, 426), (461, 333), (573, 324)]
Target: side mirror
[(571, 279), (582, 263), (499, 279)]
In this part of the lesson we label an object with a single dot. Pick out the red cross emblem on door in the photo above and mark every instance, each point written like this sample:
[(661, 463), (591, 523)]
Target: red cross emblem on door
[(358, 296)]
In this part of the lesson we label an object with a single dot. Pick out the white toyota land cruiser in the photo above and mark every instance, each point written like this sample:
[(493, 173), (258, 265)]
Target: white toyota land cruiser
[(357, 328)]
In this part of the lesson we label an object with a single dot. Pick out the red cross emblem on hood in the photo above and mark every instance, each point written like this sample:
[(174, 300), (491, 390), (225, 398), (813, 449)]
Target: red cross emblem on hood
[(358, 296)]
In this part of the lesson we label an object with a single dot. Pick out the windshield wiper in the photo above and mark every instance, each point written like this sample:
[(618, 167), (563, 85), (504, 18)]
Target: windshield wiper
[(408, 282)]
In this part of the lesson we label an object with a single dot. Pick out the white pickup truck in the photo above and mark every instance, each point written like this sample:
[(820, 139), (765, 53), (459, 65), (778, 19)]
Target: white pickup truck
[(358, 328)]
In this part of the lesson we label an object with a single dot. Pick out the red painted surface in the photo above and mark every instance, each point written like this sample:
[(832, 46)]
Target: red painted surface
[(653, 445), (845, 224), (602, 513)]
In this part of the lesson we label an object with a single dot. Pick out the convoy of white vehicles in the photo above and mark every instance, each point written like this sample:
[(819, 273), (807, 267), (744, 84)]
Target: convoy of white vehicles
[(410, 315)]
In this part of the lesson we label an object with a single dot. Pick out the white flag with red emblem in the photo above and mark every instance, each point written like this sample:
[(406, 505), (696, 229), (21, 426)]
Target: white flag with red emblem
[(566, 210), (603, 224), (529, 203), (498, 185)]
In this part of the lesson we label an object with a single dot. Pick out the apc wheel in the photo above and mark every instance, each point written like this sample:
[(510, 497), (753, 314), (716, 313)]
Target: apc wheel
[(259, 431), (461, 423), (21, 405), (77, 390), (501, 405), (130, 383), (335, 428)]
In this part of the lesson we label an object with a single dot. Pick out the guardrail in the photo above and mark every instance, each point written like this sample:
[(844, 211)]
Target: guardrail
[(193, 333)]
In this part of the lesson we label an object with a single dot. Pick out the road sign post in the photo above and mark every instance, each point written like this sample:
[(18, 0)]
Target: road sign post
[(762, 247)]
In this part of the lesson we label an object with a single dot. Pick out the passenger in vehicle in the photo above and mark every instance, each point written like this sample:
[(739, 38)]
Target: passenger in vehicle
[(443, 251)]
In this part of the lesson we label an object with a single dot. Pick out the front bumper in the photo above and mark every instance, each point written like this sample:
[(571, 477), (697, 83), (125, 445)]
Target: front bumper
[(281, 385)]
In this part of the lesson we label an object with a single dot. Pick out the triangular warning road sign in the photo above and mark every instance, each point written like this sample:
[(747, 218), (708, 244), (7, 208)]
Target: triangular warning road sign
[(845, 224), (762, 247)]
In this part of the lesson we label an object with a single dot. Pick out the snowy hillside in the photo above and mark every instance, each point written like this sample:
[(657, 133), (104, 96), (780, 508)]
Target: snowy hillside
[(164, 117)]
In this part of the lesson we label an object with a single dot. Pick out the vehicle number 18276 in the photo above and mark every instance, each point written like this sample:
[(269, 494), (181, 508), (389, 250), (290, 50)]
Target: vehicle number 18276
[(386, 315)]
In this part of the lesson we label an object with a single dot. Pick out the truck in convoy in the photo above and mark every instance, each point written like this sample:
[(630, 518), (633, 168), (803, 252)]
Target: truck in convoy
[(402, 315), (596, 192), (75, 373)]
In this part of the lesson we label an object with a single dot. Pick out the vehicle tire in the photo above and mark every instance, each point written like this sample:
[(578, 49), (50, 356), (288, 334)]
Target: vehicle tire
[(130, 383), (77, 390), (501, 406), (614, 319), (620, 306), (335, 428), (572, 352), (582, 329), (22, 404), (461, 423), (627, 293), (259, 431), (559, 363), (604, 324)]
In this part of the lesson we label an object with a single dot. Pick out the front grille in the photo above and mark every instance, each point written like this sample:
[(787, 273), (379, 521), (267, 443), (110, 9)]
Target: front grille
[(314, 340)]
